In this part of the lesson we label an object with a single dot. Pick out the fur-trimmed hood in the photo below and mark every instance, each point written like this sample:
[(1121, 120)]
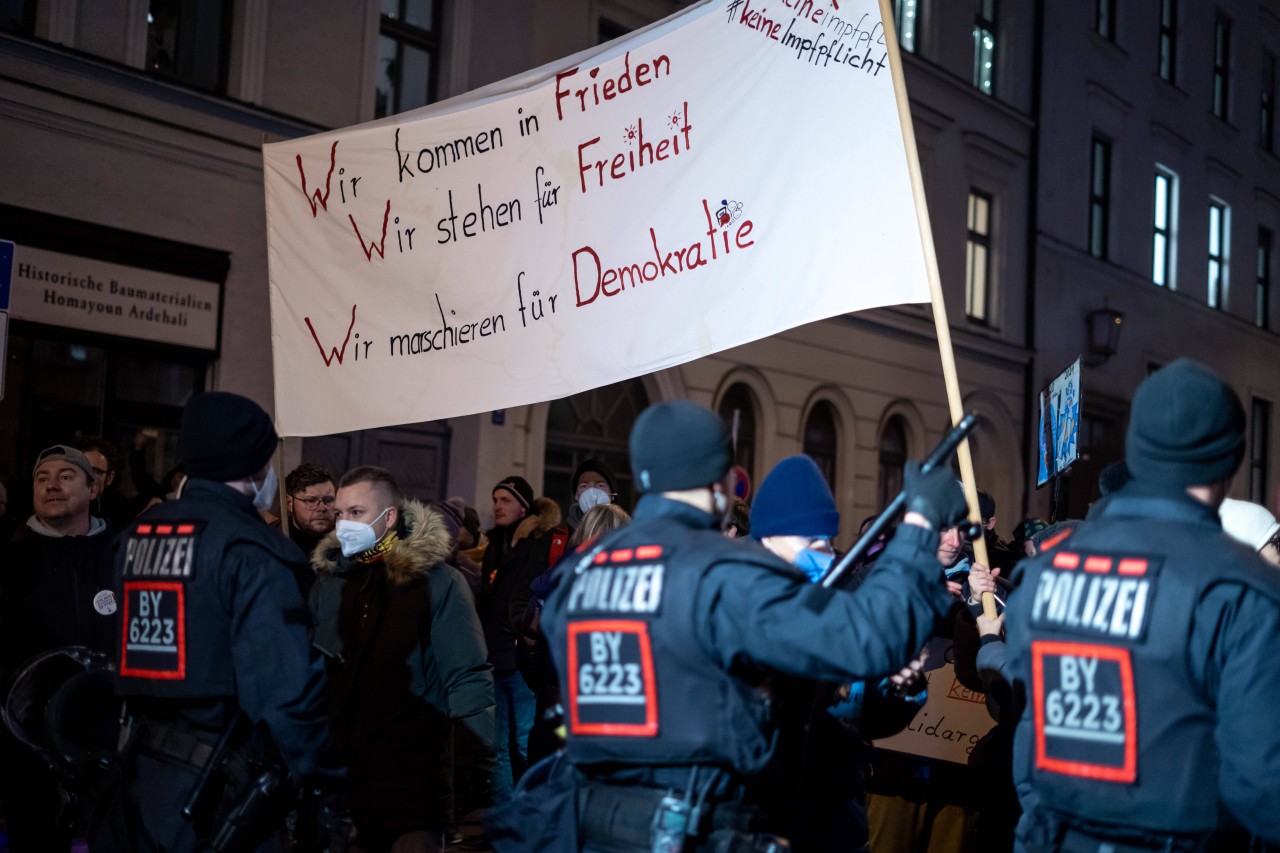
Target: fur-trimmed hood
[(424, 542), (544, 516)]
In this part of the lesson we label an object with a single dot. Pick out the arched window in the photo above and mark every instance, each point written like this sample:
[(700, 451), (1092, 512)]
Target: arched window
[(821, 440), (893, 458), (595, 423), (738, 411)]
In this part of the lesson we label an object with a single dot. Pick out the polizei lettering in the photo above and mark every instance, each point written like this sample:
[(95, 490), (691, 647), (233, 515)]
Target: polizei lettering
[(617, 589), (165, 551), (1087, 596)]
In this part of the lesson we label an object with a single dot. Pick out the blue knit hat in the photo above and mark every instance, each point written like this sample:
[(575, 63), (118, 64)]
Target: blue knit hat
[(794, 500)]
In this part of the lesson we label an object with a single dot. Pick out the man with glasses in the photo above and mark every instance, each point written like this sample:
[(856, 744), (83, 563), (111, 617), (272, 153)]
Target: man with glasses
[(311, 491)]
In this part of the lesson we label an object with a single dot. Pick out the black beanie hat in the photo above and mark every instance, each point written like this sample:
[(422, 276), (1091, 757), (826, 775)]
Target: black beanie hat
[(600, 467), (678, 445), (225, 437), (519, 489), (795, 500), (1186, 428)]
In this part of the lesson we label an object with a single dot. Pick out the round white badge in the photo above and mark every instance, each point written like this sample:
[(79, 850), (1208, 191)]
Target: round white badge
[(105, 602)]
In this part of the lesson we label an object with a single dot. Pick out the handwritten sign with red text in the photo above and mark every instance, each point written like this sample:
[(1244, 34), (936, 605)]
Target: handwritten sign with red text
[(730, 172)]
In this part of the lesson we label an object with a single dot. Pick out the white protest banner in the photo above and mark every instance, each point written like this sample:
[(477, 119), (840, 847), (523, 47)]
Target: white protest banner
[(953, 719), (730, 172)]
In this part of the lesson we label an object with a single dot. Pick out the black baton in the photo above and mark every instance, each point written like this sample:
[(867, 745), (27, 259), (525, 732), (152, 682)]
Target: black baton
[(939, 455), (214, 761)]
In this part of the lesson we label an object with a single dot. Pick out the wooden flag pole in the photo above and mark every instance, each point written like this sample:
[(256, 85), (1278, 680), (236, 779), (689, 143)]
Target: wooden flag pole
[(949, 376)]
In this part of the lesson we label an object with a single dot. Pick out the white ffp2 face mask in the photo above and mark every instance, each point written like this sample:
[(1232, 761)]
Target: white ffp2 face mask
[(356, 537), (264, 494), (592, 497)]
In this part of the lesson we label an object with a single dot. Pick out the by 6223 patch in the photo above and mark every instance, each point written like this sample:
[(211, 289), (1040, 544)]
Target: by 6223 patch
[(154, 627)]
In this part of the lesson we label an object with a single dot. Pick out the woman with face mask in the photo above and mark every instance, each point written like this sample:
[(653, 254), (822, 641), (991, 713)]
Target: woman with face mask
[(795, 517), (593, 485)]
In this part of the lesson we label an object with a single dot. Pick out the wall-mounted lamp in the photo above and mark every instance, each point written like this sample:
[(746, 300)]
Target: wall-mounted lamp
[(1104, 327)]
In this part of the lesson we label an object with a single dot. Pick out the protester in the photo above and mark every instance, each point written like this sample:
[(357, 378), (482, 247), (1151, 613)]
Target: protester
[(1000, 554), (824, 756), (405, 655), (526, 538), (1180, 661), (533, 656), (1022, 534), (111, 506), (689, 621), (216, 663), (594, 483), (739, 526), (55, 591), (1252, 525), (310, 491)]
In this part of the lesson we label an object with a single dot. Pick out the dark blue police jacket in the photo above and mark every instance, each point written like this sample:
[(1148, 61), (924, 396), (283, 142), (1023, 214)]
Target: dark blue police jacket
[(1148, 646), (209, 610), (661, 630)]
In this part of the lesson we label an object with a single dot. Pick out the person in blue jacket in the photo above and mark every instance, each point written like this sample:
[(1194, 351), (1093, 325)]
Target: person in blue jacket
[(1145, 643), (666, 635)]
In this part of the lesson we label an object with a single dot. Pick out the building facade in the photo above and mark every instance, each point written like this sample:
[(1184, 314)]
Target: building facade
[(133, 131)]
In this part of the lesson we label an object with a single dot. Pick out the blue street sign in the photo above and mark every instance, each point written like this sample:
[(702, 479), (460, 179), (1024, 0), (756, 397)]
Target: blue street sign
[(6, 272)]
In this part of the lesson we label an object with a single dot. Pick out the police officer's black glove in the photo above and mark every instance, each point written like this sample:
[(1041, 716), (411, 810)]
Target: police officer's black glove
[(936, 495), (333, 823)]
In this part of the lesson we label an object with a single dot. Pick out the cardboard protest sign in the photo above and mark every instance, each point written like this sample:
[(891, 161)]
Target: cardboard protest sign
[(1059, 445), (718, 177), (953, 719)]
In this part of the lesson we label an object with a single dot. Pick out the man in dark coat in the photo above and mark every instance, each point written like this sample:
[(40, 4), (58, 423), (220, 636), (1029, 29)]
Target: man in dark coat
[(525, 533), (405, 655), (55, 591)]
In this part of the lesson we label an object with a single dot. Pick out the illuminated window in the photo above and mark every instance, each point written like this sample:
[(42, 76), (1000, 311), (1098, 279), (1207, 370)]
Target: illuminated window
[(984, 47), (1219, 233), (906, 18), (977, 274), (1163, 248)]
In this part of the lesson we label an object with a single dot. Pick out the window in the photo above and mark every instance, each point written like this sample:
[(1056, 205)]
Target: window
[(1267, 107), (738, 411), (893, 459), (977, 270), (1099, 196), (408, 51), (1262, 281), (1163, 225), (1259, 433), (984, 47), (1221, 66), (906, 18), (188, 42), (1167, 64), (1105, 19), (1219, 231), (821, 440)]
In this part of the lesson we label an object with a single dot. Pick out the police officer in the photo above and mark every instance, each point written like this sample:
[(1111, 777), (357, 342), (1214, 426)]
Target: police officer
[(1147, 644), (215, 661), (664, 634)]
